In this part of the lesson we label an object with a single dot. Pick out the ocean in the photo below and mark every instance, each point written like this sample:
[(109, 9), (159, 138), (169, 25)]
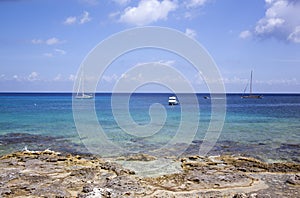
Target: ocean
[(267, 129)]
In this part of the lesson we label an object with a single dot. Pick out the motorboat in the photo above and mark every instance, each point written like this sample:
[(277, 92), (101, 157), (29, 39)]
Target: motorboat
[(173, 100)]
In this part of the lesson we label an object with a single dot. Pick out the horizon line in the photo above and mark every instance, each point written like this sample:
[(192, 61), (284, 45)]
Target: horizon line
[(69, 92)]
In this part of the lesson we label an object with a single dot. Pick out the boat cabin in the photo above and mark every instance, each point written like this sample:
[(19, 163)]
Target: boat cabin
[(173, 100)]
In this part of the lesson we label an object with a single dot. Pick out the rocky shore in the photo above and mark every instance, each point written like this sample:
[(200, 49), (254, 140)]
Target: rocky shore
[(52, 174)]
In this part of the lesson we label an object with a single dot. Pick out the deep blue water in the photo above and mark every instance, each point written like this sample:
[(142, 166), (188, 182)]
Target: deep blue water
[(267, 128)]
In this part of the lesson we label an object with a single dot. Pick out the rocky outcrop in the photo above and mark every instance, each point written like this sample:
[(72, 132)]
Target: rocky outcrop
[(138, 157), (52, 174)]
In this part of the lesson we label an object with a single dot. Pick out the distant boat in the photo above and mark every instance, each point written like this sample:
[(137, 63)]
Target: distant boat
[(84, 96), (173, 100), (206, 97), (250, 93), (81, 92)]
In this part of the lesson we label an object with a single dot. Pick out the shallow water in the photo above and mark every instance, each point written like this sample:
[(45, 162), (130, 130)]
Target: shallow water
[(267, 128)]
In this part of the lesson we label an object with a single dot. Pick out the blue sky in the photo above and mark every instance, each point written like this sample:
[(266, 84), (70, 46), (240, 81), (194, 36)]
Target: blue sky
[(43, 42)]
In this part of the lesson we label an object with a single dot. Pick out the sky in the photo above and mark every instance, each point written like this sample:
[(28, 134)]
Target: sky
[(43, 42)]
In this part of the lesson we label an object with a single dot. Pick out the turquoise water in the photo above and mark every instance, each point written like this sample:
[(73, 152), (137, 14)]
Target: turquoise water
[(267, 128)]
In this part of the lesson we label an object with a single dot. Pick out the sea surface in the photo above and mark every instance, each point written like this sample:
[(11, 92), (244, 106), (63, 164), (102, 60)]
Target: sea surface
[(268, 128)]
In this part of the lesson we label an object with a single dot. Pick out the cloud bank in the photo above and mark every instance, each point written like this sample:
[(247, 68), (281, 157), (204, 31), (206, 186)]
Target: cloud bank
[(281, 21), (148, 11)]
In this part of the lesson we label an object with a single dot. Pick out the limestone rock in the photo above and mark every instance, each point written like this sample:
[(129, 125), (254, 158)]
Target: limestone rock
[(52, 174)]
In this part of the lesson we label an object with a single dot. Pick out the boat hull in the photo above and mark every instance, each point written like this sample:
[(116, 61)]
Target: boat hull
[(173, 100), (84, 96), (253, 96)]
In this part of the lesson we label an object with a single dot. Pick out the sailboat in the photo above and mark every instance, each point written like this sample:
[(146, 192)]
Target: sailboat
[(250, 94), (80, 92)]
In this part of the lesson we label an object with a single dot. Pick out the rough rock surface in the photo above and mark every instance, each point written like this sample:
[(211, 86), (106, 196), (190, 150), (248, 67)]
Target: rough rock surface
[(51, 174), (137, 157)]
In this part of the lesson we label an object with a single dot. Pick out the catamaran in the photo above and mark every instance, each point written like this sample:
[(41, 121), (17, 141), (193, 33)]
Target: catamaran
[(250, 94)]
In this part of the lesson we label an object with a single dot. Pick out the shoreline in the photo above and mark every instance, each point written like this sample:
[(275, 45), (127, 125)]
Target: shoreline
[(285, 152), (50, 173)]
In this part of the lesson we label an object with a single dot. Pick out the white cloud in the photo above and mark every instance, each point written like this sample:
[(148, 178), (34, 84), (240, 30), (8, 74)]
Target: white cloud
[(191, 6), (33, 76), (55, 52), (16, 77), (190, 33), (111, 78), (72, 77), (58, 77), (282, 17), (268, 1), (60, 51), (148, 11), (267, 25), (235, 80), (124, 75), (292, 81), (85, 18), (37, 41), (245, 34), (63, 78), (82, 19), (70, 20), (295, 35), (50, 41), (196, 3), (142, 71)]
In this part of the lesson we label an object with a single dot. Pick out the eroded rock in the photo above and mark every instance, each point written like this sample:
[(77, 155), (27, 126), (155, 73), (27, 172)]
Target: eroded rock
[(52, 174), (138, 157)]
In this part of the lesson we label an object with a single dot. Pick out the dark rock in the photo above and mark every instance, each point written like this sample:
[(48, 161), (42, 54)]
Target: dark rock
[(294, 180), (240, 195), (87, 189), (5, 191), (193, 158), (194, 179)]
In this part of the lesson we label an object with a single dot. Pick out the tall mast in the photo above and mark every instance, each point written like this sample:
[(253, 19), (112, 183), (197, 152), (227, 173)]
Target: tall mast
[(79, 86), (82, 83), (251, 83)]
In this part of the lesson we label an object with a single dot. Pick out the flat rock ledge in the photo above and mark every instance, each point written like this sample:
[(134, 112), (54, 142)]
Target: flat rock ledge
[(51, 174)]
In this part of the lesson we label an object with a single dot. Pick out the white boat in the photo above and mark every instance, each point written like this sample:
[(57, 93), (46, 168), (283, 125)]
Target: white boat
[(80, 92), (84, 96), (173, 100), (250, 95)]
